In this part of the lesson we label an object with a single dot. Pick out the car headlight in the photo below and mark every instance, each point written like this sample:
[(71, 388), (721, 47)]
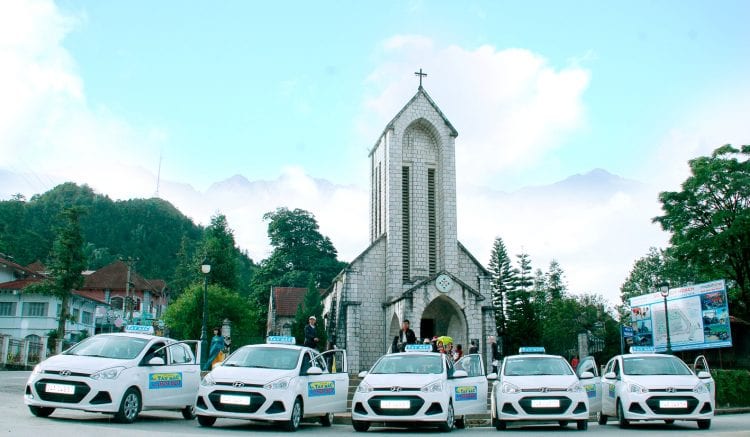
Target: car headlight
[(575, 388), (700, 388), (510, 388), (635, 388), (279, 384), (433, 387), (208, 381), (364, 387), (112, 373)]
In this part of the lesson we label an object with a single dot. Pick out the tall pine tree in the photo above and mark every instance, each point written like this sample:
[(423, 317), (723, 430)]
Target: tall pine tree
[(502, 276)]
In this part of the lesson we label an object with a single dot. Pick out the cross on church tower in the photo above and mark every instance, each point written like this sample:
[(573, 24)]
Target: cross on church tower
[(421, 75)]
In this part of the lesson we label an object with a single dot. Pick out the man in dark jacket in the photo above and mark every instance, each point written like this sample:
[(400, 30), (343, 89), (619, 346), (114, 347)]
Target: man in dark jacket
[(405, 336), (311, 333)]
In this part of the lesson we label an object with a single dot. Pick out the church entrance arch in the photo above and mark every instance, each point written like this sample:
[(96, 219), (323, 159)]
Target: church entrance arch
[(393, 328), (443, 316)]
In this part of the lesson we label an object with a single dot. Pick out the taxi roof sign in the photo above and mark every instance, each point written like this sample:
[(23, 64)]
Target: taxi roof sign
[(139, 329), (642, 350), (280, 339), (531, 350), (418, 348)]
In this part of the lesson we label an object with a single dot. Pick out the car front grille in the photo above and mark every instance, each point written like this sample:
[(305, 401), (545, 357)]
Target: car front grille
[(415, 403), (81, 390), (256, 400), (525, 403), (653, 404)]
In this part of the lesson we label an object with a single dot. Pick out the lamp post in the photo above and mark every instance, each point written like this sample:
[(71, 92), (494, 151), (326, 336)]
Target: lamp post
[(205, 269), (664, 290)]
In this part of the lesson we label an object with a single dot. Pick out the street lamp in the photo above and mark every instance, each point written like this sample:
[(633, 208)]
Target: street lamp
[(664, 290), (205, 269)]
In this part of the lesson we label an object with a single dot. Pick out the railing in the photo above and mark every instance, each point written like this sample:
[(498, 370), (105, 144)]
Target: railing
[(21, 352)]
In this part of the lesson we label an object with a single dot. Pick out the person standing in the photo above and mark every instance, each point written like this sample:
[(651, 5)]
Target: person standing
[(405, 336), (215, 350), (574, 362), (311, 333), (473, 347), (495, 353)]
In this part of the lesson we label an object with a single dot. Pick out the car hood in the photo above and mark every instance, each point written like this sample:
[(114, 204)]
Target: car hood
[(249, 375), (663, 381), (536, 381), (401, 380), (82, 364)]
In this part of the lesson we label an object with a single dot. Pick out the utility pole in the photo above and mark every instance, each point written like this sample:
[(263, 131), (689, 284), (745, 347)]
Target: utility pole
[(128, 311)]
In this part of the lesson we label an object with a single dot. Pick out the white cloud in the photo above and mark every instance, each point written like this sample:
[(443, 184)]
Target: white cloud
[(510, 106)]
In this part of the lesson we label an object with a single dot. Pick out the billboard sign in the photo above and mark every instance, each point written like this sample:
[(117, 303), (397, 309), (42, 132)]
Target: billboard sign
[(698, 318)]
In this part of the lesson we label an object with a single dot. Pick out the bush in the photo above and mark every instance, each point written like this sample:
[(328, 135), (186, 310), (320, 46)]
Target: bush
[(732, 388)]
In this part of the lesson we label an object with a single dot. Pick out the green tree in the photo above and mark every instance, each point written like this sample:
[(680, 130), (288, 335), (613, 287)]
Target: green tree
[(184, 316), (311, 305), (555, 280), (502, 277), (709, 219), (522, 318), (219, 248)]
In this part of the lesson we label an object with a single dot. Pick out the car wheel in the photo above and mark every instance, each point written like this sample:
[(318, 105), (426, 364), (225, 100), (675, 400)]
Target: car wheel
[(704, 424), (501, 425), (293, 423), (447, 426), (624, 423), (326, 420), (41, 411), (360, 426), (206, 421), (188, 413), (669, 421), (563, 423), (582, 425), (130, 406), (601, 419), (461, 423)]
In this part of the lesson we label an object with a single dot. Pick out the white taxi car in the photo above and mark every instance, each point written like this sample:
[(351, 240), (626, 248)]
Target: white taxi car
[(275, 382), (534, 386), (121, 373), (647, 386), (420, 386)]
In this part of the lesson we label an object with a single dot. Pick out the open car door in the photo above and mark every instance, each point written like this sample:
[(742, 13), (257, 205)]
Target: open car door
[(335, 360), (470, 393), (701, 365), (591, 385)]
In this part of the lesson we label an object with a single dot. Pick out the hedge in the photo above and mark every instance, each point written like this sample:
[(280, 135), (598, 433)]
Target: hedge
[(732, 388)]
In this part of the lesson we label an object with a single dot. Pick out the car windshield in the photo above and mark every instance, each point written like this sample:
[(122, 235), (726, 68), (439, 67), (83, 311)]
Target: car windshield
[(109, 346), (525, 366), (264, 358), (406, 363), (656, 365)]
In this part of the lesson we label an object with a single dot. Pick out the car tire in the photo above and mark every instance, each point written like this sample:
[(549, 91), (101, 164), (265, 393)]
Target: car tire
[(461, 423), (601, 419), (669, 421), (501, 425), (130, 406), (563, 423), (360, 426), (41, 411), (450, 420), (326, 420), (206, 421), (704, 424), (295, 418), (582, 425), (624, 423), (188, 413)]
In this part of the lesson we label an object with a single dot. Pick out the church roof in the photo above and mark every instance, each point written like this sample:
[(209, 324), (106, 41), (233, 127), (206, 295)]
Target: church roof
[(420, 91), (431, 279)]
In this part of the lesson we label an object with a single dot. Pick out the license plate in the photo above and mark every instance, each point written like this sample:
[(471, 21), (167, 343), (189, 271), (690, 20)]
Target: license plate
[(234, 400), (673, 404), (545, 403), (62, 389), (394, 404)]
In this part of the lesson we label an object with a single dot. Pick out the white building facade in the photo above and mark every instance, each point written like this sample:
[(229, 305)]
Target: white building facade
[(414, 268)]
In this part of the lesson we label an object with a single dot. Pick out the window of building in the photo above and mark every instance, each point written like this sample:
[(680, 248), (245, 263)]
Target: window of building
[(405, 224), (431, 221), (116, 302), (34, 309), (76, 315), (86, 317), (7, 308)]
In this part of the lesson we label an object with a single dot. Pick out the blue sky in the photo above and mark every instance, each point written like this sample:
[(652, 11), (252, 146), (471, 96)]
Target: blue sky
[(298, 92)]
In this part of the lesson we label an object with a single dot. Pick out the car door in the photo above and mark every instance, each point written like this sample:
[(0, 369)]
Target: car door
[(701, 365), (185, 371), (609, 388), (469, 393), (591, 385), (156, 381), (318, 391), (336, 363)]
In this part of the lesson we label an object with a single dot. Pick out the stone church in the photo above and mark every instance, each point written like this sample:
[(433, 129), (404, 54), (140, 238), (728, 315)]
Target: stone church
[(414, 268)]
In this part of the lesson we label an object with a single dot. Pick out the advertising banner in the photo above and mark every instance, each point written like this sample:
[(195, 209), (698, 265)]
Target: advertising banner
[(698, 318)]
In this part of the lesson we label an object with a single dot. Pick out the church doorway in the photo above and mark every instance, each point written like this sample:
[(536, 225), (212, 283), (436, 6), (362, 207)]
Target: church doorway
[(444, 317)]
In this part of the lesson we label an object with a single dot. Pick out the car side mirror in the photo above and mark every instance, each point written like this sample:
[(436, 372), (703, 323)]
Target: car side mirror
[(362, 374), (156, 361), (704, 375), (586, 375), (492, 376), (314, 371), (610, 375), (460, 374)]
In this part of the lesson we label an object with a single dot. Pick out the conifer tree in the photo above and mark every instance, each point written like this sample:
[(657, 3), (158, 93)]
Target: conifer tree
[(502, 277)]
